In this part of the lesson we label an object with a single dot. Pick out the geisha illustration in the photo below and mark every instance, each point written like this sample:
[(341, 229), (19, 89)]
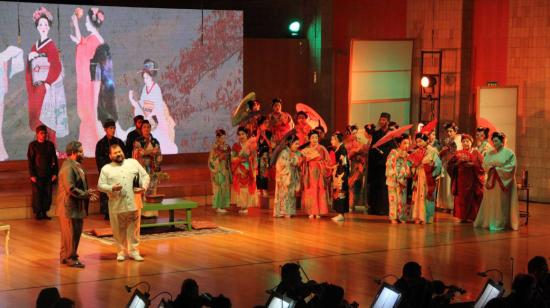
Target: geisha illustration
[(44, 78), (152, 106), (95, 89)]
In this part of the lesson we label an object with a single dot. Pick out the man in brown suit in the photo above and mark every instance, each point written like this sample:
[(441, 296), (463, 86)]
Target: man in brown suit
[(73, 195)]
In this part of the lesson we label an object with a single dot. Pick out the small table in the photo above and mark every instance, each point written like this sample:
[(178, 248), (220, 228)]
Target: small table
[(171, 205), (526, 212)]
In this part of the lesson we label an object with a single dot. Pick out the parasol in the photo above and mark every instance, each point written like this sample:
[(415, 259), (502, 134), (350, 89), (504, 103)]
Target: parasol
[(426, 129), (392, 134), (277, 150), (313, 118), (242, 111), (482, 122)]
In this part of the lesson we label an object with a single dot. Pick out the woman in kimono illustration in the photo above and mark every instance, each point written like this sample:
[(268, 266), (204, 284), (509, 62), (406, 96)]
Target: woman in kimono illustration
[(44, 79), (152, 106)]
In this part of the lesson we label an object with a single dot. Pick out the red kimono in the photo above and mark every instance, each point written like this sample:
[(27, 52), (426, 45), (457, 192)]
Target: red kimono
[(36, 94), (467, 178)]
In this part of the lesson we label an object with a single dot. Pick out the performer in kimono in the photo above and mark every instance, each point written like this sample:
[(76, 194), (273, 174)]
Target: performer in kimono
[(288, 181), (11, 63), (280, 122), (425, 167), (340, 177), (467, 178), (302, 127), (378, 191), (397, 172), (243, 169), (254, 107), (147, 151), (87, 90), (152, 106), (219, 162), (315, 173), (357, 153), (482, 143), (433, 141), (499, 208), (263, 148), (452, 143), (44, 79)]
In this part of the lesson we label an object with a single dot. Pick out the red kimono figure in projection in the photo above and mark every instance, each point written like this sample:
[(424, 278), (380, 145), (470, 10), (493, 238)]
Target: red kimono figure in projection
[(88, 85), (44, 79), (467, 178)]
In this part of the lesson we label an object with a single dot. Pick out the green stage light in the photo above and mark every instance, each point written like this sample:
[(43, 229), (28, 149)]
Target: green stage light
[(294, 27)]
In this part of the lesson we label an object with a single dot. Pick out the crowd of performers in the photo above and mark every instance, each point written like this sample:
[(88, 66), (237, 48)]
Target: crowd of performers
[(405, 178)]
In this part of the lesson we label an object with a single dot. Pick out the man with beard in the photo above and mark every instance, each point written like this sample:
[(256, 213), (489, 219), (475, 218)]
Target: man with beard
[(376, 177), (73, 195), (117, 181)]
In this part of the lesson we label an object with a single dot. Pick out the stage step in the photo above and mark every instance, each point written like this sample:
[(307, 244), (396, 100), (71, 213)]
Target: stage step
[(189, 178)]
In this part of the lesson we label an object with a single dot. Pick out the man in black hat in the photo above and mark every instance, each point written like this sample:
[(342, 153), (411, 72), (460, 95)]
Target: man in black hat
[(102, 158), (376, 177)]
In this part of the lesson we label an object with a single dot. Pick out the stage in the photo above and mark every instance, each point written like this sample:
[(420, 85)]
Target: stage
[(244, 264)]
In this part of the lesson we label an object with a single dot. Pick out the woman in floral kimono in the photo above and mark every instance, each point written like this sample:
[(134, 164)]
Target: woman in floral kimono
[(287, 170), (499, 208), (467, 178), (397, 172), (340, 177), (87, 89), (147, 152), (219, 162), (243, 169), (315, 172), (452, 143), (46, 93), (425, 167), (280, 122), (264, 148), (482, 144), (302, 127), (152, 106), (357, 153)]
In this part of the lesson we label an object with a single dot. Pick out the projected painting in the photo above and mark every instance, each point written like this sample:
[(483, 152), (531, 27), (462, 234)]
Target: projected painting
[(72, 67)]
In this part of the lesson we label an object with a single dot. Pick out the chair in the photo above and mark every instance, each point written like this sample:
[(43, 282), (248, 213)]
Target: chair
[(6, 228)]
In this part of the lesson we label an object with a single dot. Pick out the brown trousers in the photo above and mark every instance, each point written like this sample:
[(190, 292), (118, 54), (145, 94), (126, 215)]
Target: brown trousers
[(71, 229)]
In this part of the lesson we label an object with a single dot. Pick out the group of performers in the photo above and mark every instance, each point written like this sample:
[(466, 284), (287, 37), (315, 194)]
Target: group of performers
[(389, 172)]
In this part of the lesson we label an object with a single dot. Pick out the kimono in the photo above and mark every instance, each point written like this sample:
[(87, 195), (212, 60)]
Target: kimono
[(219, 163), (15, 56), (397, 172), (243, 169), (154, 109), (340, 178), (302, 132), (315, 173), (484, 147), (86, 103), (467, 178), (101, 69), (425, 167), (288, 182), (279, 124), (48, 107), (499, 208), (264, 150), (151, 163), (357, 179), (445, 199)]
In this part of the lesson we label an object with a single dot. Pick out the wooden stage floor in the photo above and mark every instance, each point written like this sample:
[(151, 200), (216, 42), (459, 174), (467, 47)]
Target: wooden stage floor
[(242, 266)]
